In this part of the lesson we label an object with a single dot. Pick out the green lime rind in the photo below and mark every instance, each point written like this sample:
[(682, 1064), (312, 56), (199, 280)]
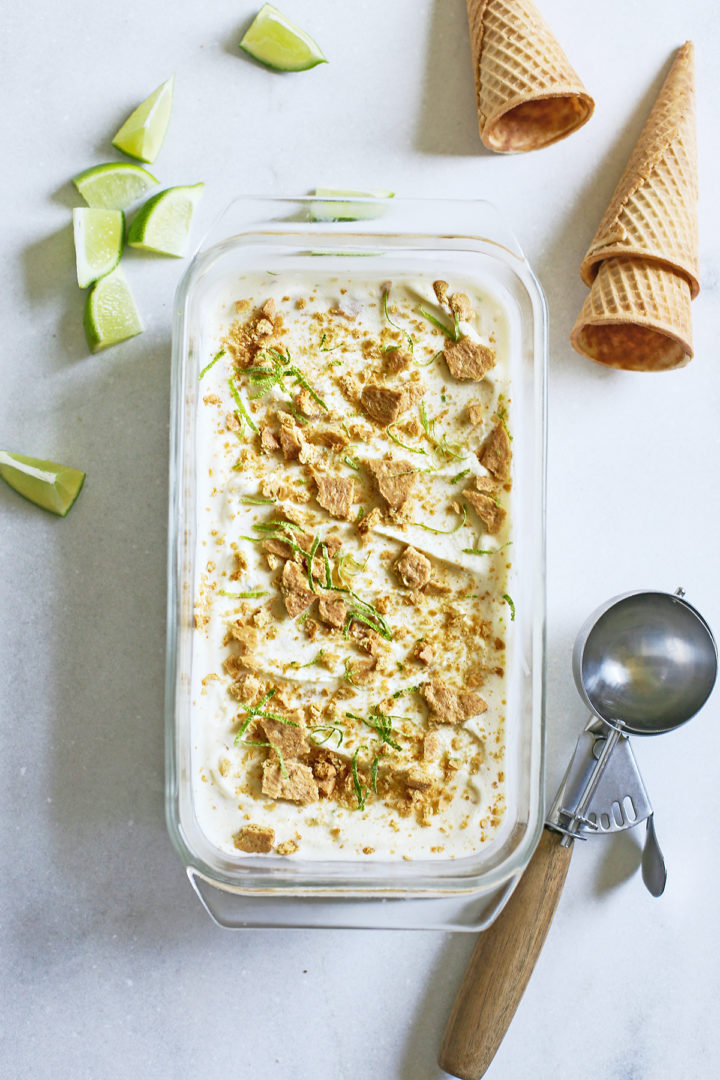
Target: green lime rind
[(110, 312), (279, 44), (114, 185), (99, 237), (144, 131), (342, 193), (49, 485), (162, 225), (348, 205)]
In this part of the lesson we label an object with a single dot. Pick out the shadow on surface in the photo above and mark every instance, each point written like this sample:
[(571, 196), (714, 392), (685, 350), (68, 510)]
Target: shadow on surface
[(232, 44), (49, 265), (68, 195), (566, 715), (447, 123), (424, 1036), (112, 868), (618, 860), (49, 274)]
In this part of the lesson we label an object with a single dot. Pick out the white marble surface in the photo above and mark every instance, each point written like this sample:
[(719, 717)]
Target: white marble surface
[(111, 969)]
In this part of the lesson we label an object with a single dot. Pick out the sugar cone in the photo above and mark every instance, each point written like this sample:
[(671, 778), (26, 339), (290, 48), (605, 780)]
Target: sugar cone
[(653, 213), (528, 95), (636, 317)]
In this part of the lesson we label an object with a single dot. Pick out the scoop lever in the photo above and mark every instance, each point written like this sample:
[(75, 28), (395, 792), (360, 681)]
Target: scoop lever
[(604, 793)]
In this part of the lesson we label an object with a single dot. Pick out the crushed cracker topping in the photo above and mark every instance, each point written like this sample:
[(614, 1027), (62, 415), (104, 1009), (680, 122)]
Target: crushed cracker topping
[(356, 629)]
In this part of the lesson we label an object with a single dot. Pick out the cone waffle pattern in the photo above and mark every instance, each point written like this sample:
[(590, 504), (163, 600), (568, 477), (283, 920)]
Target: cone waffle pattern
[(518, 61), (653, 212), (628, 298)]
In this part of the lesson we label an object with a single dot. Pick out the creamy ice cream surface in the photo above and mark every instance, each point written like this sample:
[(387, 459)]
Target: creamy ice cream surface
[(353, 626)]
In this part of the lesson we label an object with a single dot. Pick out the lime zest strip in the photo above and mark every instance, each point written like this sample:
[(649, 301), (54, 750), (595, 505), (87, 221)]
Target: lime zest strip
[(445, 532), (452, 332), (214, 360), (251, 594), (242, 414), (408, 337)]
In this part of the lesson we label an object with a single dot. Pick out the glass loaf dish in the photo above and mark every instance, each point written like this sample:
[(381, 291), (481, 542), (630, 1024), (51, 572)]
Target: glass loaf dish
[(371, 241)]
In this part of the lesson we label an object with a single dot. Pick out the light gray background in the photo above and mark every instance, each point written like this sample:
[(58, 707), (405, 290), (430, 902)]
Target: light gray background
[(111, 968)]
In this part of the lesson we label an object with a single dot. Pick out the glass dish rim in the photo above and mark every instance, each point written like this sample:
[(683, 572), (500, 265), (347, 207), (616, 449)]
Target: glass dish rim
[(510, 253)]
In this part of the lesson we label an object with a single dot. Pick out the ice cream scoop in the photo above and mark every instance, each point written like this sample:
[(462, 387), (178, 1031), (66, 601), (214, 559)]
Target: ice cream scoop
[(644, 663)]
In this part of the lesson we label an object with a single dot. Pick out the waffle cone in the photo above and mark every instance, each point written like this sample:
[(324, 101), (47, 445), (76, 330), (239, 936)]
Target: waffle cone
[(653, 213), (528, 95), (636, 317)]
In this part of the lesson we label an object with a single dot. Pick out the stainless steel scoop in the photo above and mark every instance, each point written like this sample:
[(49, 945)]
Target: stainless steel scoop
[(644, 663)]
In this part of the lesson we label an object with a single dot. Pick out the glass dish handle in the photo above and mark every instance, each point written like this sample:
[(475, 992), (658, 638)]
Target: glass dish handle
[(245, 911), (447, 218)]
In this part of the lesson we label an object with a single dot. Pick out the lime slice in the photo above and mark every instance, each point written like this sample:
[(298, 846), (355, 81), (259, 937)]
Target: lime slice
[(142, 134), (110, 312), (341, 193), (114, 186), (45, 483), (99, 237), (276, 42), (341, 210), (163, 223)]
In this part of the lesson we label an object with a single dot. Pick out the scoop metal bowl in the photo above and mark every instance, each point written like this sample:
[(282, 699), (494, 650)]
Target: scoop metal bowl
[(645, 662)]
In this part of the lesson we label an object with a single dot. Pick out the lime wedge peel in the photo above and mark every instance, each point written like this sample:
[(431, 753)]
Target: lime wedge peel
[(49, 485), (99, 237), (114, 186), (163, 224), (143, 133), (110, 312), (279, 44), (340, 209), (342, 193)]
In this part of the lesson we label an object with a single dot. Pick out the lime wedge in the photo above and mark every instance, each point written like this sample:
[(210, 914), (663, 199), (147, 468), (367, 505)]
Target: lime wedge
[(163, 223), (341, 210), (114, 186), (110, 312), (276, 42), (142, 134), (45, 483), (341, 193), (99, 237)]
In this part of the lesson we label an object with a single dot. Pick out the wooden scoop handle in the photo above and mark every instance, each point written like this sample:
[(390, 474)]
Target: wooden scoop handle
[(502, 963)]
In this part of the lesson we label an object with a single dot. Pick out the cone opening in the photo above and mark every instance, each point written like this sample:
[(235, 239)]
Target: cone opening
[(631, 347), (533, 124)]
